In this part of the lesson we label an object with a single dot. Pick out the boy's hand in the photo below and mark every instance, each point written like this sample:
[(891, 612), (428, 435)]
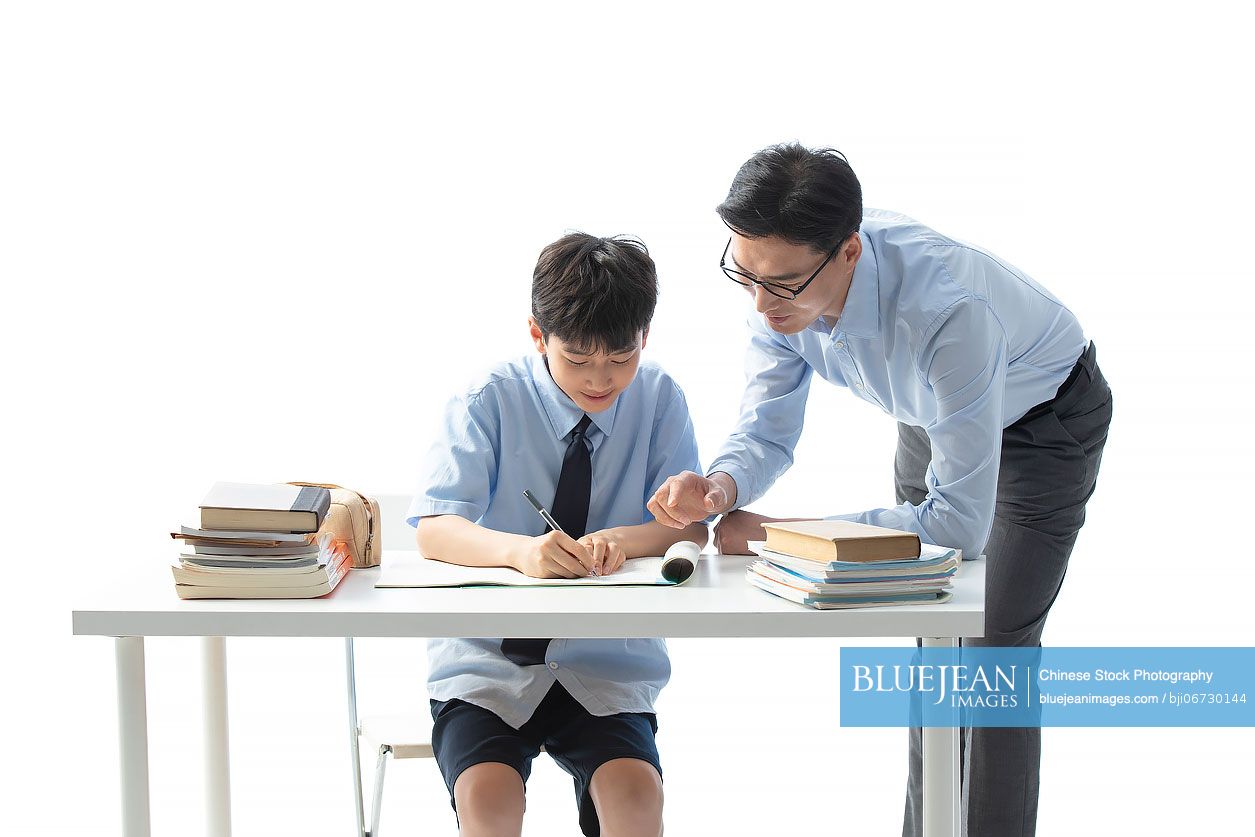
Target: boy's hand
[(606, 551), (688, 497), (553, 555)]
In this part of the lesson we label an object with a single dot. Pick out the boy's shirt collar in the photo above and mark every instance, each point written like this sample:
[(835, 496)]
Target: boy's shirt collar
[(562, 411)]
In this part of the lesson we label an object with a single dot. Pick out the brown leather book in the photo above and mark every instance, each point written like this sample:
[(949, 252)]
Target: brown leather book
[(840, 540)]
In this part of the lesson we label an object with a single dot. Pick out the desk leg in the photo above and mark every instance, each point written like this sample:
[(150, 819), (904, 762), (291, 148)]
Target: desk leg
[(217, 755), (941, 769), (350, 677), (132, 735)]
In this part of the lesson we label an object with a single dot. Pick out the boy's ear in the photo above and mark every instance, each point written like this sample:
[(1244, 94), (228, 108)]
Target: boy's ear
[(538, 336), (644, 337)]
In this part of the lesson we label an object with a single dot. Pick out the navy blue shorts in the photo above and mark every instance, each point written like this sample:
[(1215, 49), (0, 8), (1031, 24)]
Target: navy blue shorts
[(465, 734)]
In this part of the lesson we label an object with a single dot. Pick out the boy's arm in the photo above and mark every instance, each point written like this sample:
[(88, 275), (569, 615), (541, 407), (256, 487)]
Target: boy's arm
[(456, 540)]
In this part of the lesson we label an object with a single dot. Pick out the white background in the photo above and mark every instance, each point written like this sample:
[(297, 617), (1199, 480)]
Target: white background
[(265, 241)]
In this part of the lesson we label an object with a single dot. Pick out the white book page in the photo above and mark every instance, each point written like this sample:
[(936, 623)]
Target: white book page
[(416, 571)]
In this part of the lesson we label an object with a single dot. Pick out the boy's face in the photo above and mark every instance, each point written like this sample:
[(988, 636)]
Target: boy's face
[(592, 381)]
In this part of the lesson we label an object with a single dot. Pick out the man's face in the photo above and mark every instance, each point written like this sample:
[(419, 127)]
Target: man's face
[(772, 259), (593, 381)]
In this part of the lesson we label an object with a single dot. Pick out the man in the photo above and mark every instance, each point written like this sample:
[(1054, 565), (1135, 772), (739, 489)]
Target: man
[(1002, 411)]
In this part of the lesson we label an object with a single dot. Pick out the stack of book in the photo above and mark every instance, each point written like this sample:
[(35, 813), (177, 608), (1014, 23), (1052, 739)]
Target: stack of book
[(832, 564), (260, 542)]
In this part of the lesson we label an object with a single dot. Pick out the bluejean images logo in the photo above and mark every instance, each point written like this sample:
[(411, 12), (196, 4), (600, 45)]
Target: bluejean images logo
[(1021, 687), (959, 686)]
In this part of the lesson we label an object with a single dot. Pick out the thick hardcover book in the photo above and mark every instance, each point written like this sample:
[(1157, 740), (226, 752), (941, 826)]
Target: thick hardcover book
[(840, 540), (264, 508)]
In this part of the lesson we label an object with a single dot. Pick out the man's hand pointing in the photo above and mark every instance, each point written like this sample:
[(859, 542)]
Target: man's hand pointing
[(689, 497)]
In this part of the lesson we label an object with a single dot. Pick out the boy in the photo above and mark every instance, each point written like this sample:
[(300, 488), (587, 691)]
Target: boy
[(592, 432)]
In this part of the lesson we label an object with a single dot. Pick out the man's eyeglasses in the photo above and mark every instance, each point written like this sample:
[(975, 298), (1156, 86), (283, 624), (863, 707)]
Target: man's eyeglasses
[(782, 291)]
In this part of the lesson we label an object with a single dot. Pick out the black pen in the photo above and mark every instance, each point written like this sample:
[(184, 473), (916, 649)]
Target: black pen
[(531, 498)]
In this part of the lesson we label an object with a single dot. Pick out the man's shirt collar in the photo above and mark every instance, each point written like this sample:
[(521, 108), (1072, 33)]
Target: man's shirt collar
[(860, 316)]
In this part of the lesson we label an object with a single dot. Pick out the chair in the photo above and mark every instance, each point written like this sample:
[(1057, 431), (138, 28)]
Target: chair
[(398, 736), (402, 737)]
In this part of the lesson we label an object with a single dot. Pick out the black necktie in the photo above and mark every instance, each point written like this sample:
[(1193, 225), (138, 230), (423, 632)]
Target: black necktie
[(570, 509)]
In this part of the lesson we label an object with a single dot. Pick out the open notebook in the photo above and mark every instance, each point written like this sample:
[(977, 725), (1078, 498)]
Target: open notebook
[(413, 570)]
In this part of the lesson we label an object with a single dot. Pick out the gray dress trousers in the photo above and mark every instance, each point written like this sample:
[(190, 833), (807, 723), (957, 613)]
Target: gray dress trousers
[(1050, 460)]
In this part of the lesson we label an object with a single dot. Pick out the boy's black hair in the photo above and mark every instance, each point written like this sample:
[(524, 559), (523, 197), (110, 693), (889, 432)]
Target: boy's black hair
[(594, 293), (805, 196)]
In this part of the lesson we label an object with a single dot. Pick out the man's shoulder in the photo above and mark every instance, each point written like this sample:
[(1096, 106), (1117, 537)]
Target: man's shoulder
[(895, 229), (917, 271), (914, 243)]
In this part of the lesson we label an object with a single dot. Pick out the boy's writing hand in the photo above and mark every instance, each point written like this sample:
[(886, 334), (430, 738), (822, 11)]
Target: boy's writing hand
[(688, 497), (553, 555), (607, 553)]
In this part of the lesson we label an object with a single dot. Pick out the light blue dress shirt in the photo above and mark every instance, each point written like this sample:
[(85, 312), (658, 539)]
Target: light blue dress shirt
[(936, 332), (508, 433)]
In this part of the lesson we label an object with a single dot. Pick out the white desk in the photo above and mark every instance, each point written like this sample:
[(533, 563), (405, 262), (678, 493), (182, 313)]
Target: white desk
[(717, 602)]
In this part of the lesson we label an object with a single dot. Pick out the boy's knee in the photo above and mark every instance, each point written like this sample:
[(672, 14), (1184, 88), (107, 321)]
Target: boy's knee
[(628, 791), (490, 794)]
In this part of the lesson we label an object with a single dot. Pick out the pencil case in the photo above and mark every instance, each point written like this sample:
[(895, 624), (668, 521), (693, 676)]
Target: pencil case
[(354, 519)]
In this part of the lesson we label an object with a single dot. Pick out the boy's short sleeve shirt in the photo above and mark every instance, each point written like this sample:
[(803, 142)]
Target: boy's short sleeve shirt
[(507, 433)]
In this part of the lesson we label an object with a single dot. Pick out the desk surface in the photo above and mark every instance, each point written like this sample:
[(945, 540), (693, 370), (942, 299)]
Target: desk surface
[(716, 602)]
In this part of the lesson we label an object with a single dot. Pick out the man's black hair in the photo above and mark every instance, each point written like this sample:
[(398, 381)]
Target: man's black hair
[(594, 293), (803, 195)]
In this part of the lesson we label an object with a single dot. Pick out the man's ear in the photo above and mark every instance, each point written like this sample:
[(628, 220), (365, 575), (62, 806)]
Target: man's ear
[(644, 337), (538, 336), (851, 250)]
